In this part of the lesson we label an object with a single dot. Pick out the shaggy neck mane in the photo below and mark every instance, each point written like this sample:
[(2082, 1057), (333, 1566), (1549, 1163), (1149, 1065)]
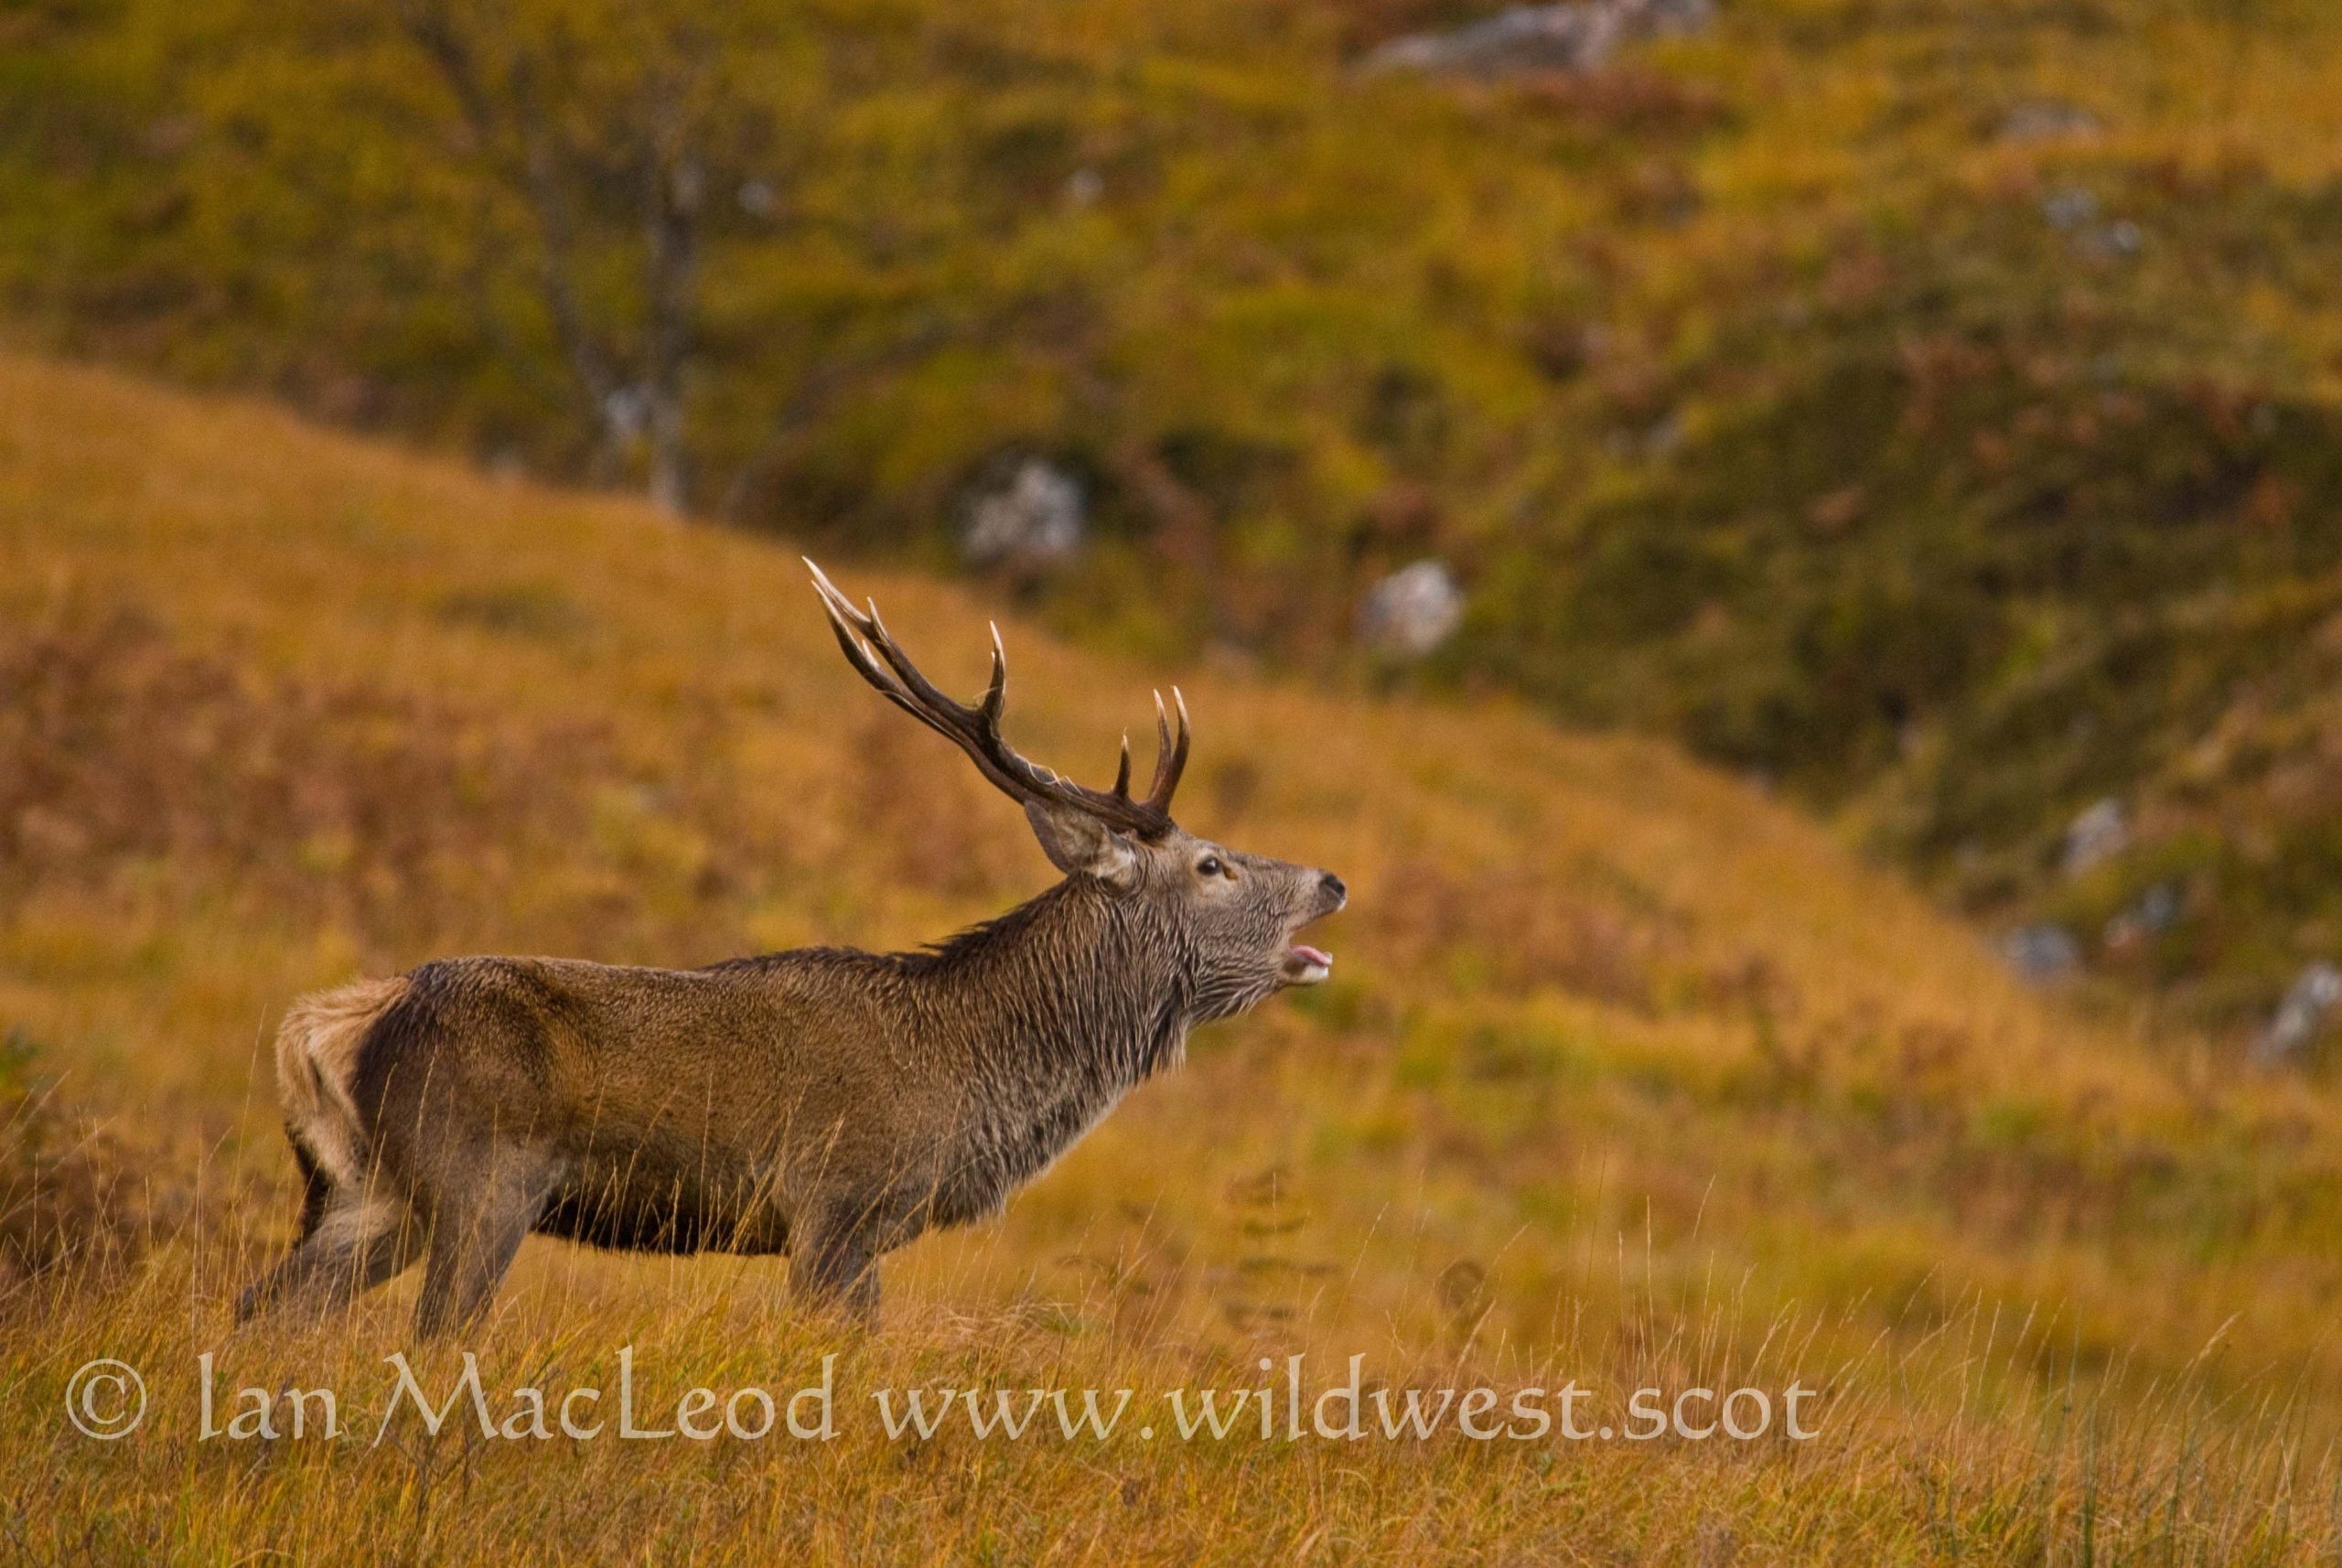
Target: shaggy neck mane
[(1069, 982)]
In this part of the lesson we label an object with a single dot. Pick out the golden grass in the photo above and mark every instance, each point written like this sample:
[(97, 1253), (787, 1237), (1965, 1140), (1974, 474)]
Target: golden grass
[(1628, 1075)]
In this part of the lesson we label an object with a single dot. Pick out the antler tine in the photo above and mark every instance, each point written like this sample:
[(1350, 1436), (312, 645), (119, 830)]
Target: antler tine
[(996, 694), (860, 632), (872, 651), (840, 608), (907, 672), (976, 728), (1162, 746), (850, 628), (1170, 758)]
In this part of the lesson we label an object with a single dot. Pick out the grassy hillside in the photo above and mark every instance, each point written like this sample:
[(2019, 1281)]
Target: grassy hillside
[(1929, 406), (1628, 1075)]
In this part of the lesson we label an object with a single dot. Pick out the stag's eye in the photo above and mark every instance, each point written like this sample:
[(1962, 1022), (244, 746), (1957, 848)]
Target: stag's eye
[(1210, 866)]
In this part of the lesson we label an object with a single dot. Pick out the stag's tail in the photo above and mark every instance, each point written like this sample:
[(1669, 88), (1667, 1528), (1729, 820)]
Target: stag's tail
[(316, 1054)]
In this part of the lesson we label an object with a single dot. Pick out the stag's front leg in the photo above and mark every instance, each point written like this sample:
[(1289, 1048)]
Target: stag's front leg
[(833, 1265)]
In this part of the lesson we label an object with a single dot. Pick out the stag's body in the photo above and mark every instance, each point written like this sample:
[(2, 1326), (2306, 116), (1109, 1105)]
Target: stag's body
[(826, 1104)]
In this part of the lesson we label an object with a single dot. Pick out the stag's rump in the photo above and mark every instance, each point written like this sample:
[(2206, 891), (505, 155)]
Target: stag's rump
[(653, 1106)]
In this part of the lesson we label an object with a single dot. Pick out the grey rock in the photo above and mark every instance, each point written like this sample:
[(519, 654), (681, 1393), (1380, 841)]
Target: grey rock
[(2042, 953), (1031, 519), (1412, 610), (2153, 911), (1576, 36), (2112, 241), (1665, 436), (625, 411), (2046, 119), (2100, 833), (2069, 207), (2301, 1016)]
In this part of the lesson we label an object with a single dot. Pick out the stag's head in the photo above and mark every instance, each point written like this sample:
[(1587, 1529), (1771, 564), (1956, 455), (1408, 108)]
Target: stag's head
[(1231, 918)]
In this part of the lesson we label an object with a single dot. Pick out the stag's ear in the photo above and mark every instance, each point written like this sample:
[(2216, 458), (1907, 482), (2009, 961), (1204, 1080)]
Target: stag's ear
[(1080, 844)]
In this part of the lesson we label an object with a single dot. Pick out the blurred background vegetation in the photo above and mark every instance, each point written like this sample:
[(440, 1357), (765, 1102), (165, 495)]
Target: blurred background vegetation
[(1930, 408)]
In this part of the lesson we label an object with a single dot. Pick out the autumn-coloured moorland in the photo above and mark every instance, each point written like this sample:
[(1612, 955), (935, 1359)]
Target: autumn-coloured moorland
[(1628, 1075)]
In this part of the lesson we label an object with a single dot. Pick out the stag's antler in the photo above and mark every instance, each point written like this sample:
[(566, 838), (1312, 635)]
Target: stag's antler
[(976, 730)]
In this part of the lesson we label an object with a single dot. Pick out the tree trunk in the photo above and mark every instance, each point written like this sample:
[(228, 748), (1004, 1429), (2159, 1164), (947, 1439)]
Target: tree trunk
[(672, 204)]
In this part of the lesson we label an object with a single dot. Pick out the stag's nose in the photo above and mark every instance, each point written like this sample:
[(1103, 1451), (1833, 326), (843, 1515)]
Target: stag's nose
[(1334, 888)]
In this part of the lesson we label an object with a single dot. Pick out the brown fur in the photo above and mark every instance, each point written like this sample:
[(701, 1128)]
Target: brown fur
[(317, 1055)]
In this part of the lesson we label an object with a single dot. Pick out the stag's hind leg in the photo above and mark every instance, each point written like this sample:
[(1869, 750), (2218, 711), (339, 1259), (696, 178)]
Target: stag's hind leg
[(482, 1211), (352, 1242)]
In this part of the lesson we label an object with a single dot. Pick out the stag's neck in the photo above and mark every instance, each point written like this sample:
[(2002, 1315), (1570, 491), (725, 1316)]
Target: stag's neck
[(1044, 1018), (1068, 991)]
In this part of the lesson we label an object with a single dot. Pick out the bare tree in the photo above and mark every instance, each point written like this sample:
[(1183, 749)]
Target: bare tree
[(572, 126)]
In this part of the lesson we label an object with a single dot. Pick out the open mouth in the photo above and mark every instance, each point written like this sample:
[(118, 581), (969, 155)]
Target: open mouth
[(1305, 965)]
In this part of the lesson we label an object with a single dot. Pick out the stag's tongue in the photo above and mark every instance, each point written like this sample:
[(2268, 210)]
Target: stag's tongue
[(1305, 965)]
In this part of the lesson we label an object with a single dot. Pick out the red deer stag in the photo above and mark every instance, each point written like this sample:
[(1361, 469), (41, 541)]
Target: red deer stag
[(825, 1104)]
